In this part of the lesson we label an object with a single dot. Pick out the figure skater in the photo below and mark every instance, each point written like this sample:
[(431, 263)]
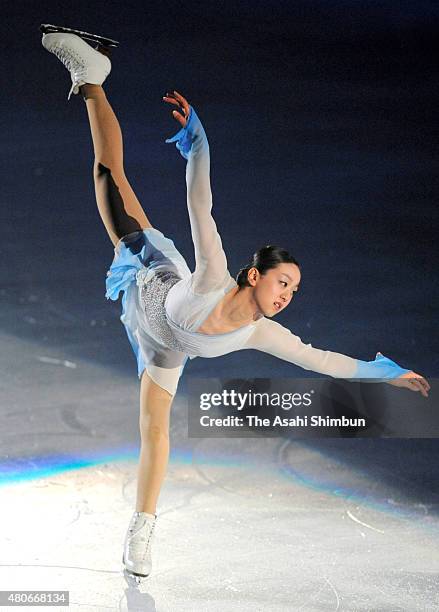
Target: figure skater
[(171, 314)]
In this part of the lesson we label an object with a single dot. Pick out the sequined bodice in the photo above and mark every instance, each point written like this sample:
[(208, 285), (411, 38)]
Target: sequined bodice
[(153, 289)]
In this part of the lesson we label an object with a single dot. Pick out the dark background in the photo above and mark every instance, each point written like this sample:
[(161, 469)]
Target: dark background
[(322, 122)]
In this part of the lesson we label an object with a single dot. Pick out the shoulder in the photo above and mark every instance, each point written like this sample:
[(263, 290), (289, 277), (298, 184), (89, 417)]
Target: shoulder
[(266, 324), (265, 329), (206, 285)]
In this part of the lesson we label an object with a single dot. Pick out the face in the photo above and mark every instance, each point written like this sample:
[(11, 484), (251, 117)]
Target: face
[(274, 290)]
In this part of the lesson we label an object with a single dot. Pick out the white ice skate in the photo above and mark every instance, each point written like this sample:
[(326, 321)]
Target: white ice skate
[(85, 64), (137, 548)]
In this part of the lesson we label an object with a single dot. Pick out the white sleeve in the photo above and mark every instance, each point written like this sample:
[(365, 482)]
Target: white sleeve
[(271, 337), (210, 260)]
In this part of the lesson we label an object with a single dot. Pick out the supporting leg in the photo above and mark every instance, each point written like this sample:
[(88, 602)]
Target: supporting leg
[(118, 205), (155, 407)]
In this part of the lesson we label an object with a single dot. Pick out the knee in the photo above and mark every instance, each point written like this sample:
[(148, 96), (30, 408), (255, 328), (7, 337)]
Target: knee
[(110, 174), (101, 172), (153, 432)]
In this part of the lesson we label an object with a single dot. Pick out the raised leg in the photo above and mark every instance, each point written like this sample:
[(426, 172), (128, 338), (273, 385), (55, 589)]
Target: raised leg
[(155, 408), (118, 205)]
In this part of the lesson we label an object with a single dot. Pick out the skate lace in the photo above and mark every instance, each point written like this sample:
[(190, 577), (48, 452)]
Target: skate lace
[(73, 62), (139, 545)]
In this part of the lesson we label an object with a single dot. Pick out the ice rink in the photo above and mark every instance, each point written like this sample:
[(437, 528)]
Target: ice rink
[(322, 123), (243, 524)]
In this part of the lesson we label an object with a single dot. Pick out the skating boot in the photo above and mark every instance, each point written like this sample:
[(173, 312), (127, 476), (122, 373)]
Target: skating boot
[(85, 64), (137, 548)]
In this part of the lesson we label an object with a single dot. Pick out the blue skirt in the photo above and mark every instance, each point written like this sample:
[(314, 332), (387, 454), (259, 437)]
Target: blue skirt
[(146, 265)]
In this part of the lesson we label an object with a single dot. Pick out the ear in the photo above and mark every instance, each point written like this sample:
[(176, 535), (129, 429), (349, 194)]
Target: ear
[(252, 276)]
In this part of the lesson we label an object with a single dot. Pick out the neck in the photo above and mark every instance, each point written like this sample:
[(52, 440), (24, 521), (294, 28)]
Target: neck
[(240, 307)]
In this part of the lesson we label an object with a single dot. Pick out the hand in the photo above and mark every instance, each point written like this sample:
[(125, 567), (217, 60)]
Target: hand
[(411, 381), (175, 98)]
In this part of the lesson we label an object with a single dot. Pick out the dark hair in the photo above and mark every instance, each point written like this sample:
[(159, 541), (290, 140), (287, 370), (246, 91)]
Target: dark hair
[(263, 260)]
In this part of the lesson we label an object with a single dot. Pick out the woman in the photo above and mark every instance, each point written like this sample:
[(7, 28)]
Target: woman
[(171, 314)]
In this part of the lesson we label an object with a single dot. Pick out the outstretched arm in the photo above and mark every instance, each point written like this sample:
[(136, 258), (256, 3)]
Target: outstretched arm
[(273, 338), (210, 260)]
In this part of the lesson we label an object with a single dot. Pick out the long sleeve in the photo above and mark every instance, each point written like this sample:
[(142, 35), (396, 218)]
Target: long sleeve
[(210, 260), (271, 337)]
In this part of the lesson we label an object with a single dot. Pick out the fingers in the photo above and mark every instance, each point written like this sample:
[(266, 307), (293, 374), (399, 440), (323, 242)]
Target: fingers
[(425, 387), (424, 383), (414, 385), (418, 383), (178, 100), (169, 98), (181, 120), (184, 103), (412, 381)]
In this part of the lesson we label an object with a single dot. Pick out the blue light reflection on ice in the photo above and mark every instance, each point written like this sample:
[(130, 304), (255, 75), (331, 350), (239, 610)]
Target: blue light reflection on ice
[(24, 469)]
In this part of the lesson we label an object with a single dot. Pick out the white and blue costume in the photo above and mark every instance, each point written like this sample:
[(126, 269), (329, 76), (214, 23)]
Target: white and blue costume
[(163, 303)]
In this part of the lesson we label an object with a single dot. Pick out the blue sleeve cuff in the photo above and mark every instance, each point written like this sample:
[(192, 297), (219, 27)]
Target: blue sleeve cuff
[(186, 136), (381, 368)]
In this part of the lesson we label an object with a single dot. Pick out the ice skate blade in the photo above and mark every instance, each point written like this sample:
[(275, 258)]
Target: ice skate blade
[(48, 28), (134, 580)]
